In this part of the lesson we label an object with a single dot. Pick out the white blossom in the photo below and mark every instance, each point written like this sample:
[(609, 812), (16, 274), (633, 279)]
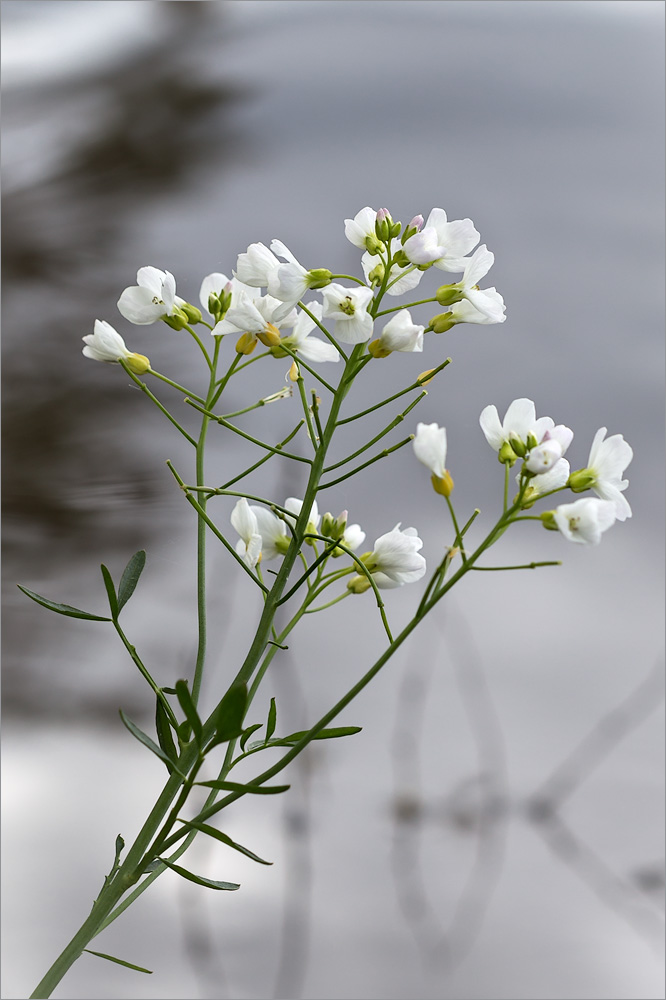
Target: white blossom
[(430, 447), (555, 479), (295, 505), (442, 243), (400, 334), (106, 344), (407, 278), (288, 282), (275, 538), (353, 536), (395, 558), (585, 520), (607, 462), (255, 266), (465, 312), (348, 306), (362, 226), (260, 316), (244, 520), (486, 300), (519, 424), (152, 298), (300, 341)]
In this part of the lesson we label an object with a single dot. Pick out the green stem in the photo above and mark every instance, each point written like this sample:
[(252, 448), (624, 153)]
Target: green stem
[(396, 395), (144, 388), (371, 461)]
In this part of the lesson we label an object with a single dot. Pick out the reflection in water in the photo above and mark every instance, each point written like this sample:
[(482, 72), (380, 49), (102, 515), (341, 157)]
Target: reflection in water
[(151, 124)]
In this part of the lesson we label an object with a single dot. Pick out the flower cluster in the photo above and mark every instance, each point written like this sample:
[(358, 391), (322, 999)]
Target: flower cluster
[(541, 445), (263, 301)]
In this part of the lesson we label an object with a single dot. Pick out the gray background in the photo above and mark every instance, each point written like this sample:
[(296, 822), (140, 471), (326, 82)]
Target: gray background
[(496, 829)]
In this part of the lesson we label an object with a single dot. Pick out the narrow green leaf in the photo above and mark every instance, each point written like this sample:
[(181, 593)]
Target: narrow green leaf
[(164, 734), (248, 732), (120, 843), (190, 709), (235, 786), (147, 742), (288, 741), (211, 831), (110, 591), (130, 578), (272, 719), (119, 961), (209, 883), (61, 609), (169, 690), (230, 714)]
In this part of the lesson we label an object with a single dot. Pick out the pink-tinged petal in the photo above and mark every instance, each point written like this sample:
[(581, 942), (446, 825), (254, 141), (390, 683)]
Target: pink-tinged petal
[(423, 247)]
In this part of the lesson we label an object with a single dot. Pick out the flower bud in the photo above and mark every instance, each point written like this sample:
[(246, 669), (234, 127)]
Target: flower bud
[(446, 295), (383, 225), (441, 323), (412, 229), (358, 584), (581, 480), (518, 446), (177, 320), (377, 349), (193, 314), (401, 259), (137, 363), (548, 520), (443, 484), (294, 372), (373, 245), (327, 524), (246, 343), (506, 454), (282, 543), (319, 277), (376, 275)]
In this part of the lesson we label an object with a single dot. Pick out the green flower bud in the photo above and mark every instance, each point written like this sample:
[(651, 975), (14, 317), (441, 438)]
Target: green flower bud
[(376, 276), (373, 245), (401, 259), (358, 584), (177, 321), (519, 447), (446, 295), (376, 348), (581, 480), (137, 363), (193, 314), (328, 525), (319, 277), (383, 225), (443, 484), (507, 454), (395, 229), (548, 520), (531, 441)]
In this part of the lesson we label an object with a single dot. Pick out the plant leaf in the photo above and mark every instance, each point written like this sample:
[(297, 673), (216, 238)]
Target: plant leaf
[(62, 609), (230, 714), (236, 786), (130, 578), (272, 719), (190, 709), (209, 883), (211, 831), (110, 591), (119, 961), (247, 733), (289, 741), (147, 742), (164, 734)]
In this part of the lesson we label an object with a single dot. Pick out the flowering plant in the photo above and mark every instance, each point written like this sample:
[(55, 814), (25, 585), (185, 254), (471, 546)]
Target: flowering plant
[(269, 301)]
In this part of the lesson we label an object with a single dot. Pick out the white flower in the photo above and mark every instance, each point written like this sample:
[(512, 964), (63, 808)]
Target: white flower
[(487, 300), (353, 536), (430, 447), (406, 283), (541, 459), (607, 462), (465, 312), (255, 266), (361, 228), (519, 425), (294, 505), (399, 334), (348, 306), (288, 282), (260, 318), (395, 559), (106, 344), (585, 520), (545, 482), (442, 243), (218, 284), (244, 520), (300, 341), (274, 536), (212, 284), (152, 298)]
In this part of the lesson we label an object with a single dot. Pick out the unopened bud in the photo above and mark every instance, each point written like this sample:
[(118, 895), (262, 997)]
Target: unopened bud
[(327, 524), (177, 321), (193, 314), (383, 225), (376, 275), (518, 446), (412, 229), (358, 584), (506, 454), (401, 259), (294, 372)]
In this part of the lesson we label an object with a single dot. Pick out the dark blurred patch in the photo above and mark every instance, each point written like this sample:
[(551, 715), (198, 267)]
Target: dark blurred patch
[(146, 131)]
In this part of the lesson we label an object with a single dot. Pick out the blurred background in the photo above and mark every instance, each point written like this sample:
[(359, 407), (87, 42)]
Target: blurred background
[(496, 830)]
